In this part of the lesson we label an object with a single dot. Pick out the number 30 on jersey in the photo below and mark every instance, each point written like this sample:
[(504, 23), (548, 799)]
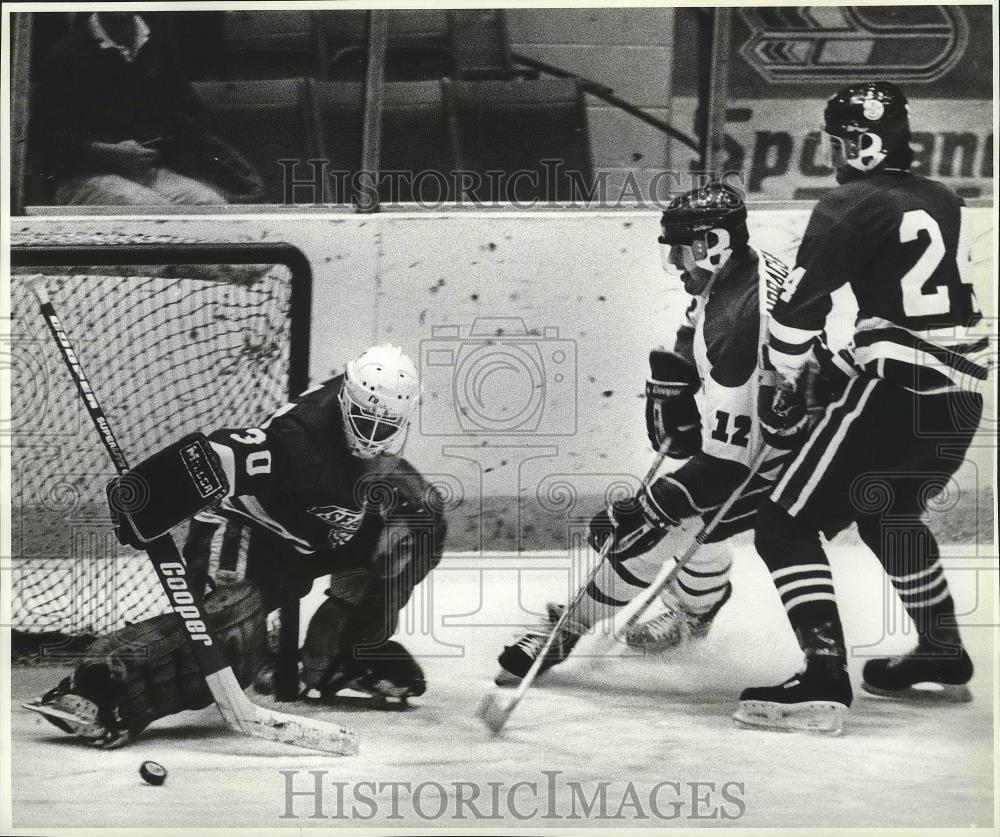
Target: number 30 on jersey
[(258, 462)]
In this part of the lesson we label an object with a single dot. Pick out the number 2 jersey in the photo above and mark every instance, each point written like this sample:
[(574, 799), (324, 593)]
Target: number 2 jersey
[(903, 243), (721, 335)]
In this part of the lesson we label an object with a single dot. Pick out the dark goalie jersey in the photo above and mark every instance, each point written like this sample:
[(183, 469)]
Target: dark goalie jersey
[(903, 242), (295, 475)]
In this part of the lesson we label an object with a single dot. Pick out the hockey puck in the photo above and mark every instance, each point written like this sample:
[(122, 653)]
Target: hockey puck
[(153, 773)]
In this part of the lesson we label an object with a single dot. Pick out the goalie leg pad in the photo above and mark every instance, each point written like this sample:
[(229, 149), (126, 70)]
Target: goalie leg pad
[(388, 670), (359, 615), (147, 671), (345, 647), (323, 640), (362, 610)]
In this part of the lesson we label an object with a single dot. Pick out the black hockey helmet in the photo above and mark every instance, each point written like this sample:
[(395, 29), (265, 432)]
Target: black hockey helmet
[(868, 122), (712, 222)]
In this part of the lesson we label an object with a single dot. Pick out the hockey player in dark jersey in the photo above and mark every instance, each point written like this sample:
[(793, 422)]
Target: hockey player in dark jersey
[(899, 431), (702, 398), (317, 489)]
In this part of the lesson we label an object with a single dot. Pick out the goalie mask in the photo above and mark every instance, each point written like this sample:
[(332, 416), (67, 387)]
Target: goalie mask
[(701, 230), (865, 124), (379, 394)]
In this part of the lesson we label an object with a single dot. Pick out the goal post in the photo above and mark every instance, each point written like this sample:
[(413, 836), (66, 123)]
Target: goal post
[(176, 336)]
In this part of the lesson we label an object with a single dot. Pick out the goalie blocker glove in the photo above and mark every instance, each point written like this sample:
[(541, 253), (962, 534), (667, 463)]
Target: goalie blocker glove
[(671, 411), (166, 489)]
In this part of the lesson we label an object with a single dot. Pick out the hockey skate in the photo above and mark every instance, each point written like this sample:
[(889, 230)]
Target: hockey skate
[(73, 713), (516, 659), (676, 625), (814, 700), (389, 671), (925, 673)]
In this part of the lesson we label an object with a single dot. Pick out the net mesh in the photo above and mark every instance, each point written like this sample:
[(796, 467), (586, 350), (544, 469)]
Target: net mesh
[(168, 350)]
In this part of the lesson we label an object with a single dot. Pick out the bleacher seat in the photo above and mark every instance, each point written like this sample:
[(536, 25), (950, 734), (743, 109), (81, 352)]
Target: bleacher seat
[(480, 44), (417, 45), (267, 120), (406, 28), (422, 44), (414, 133), (272, 44), (515, 125)]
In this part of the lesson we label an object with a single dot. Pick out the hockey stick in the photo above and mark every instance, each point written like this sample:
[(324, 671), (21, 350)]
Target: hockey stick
[(493, 712), (495, 715), (238, 711), (668, 572)]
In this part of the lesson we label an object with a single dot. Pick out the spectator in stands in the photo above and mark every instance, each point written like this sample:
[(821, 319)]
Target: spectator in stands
[(116, 122)]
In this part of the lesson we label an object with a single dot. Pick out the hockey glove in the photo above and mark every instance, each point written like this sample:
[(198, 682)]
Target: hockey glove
[(782, 407), (166, 489), (637, 524), (671, 411), (835, 372)]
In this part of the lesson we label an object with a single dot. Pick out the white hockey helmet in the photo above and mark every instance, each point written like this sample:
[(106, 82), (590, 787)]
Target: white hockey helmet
[(378, 396)]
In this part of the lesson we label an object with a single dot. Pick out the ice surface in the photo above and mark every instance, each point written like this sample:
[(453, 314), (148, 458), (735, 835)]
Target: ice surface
[(631, 721)]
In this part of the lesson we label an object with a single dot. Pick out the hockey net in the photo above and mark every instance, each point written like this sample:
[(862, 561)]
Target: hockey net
[(175, 336)]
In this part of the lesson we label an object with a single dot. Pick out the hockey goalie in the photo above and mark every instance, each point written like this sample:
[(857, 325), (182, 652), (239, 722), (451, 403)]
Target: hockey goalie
[(701, 401), (319, 488)]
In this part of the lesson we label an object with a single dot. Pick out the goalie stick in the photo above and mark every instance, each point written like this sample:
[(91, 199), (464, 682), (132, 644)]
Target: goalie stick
[(238, 711), (495, 714)]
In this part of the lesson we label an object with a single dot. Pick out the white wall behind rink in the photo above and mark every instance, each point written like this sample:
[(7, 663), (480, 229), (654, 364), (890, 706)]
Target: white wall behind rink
[(587, 284)]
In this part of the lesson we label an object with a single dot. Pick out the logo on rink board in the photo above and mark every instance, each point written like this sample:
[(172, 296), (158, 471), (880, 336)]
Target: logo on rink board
[(817, 43)]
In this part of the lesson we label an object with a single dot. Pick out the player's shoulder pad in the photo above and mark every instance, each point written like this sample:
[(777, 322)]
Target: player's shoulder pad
[(312, 408), (938, 191), (840, 204), (732, 324), (858, 204), (773, 274)]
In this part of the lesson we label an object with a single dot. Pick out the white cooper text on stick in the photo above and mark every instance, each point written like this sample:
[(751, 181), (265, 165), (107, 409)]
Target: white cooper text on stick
[(182, 601)]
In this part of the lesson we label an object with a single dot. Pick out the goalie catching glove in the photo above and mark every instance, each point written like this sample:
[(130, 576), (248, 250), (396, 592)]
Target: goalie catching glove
[(671, 412), (166, 489)]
